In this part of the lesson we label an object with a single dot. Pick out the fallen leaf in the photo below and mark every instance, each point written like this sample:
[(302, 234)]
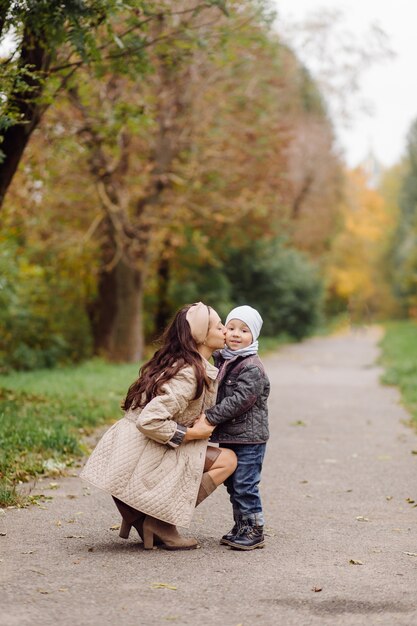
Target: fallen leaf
[(410, 501), (54, 467), (388, 498), (413, 451), (74, 537), (44, 591), (115, 527), (411, 553), (58, 523), (39, 497), (355, 562), (361, 518), (317, 589), (53, 485), (298, 423), (303, 482), (70, 521), (163, 586)]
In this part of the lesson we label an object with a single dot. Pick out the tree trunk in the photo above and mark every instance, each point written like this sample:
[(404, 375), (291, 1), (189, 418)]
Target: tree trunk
[(117, 314), (25, 102), (163, 310)]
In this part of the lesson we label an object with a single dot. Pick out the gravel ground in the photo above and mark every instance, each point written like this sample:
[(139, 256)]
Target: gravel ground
[(338, 486)]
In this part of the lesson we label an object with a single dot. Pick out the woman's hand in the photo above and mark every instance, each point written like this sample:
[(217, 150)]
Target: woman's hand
[(201, 429)]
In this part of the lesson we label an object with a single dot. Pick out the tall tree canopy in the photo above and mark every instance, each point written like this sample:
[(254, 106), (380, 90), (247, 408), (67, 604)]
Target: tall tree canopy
[(48, 42)]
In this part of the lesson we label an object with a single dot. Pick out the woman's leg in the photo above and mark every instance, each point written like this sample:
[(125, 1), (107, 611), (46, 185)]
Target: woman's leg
[(224, 465), (219, 464)]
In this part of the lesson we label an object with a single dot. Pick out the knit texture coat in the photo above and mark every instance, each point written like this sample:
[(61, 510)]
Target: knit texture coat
[(134, 462)]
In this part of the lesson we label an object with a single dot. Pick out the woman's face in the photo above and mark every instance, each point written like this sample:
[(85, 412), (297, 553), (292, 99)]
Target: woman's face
[(216, 333)]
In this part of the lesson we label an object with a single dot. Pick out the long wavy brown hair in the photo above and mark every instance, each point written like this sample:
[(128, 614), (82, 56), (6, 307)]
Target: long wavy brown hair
[(178, 349)]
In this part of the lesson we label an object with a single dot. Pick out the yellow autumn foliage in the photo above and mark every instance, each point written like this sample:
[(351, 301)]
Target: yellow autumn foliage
[(356, 270)]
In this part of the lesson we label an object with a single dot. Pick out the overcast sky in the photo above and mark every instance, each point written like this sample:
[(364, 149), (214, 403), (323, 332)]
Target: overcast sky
[(391, 88)]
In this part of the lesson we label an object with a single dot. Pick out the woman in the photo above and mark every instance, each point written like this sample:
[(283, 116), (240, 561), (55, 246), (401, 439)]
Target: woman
[(155, 461)]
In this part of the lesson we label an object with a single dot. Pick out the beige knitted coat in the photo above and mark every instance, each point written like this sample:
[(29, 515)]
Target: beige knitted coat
[(132, 461)]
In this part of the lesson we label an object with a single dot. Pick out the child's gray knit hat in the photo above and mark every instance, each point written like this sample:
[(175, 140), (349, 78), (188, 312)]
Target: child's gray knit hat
[(250, 316)]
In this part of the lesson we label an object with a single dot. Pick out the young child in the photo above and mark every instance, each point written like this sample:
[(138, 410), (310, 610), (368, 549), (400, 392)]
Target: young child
[(241, 419)]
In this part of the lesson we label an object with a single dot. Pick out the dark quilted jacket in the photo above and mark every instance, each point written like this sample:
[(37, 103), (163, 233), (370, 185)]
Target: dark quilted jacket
[(241, 411)]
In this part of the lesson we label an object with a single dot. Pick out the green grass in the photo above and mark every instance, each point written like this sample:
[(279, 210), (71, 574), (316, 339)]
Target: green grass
[(399, 358), (45, 413)]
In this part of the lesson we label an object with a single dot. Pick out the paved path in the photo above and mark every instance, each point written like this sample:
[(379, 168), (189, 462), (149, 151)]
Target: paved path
[(338, 474)]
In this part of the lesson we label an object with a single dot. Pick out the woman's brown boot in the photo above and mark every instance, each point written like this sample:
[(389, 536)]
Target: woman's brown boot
[(130, 517), (167, 533), (207, 486)]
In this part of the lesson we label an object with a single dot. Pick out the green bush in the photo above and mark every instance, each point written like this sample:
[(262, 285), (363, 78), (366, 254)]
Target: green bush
[(206, 283), (282, 283), (43, 321)]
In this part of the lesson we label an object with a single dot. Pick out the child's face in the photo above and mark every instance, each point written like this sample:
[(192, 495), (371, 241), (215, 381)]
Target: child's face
[(238, 335)]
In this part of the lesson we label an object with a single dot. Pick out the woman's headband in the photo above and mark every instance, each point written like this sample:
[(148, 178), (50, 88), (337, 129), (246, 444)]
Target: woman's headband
[(198, 317)]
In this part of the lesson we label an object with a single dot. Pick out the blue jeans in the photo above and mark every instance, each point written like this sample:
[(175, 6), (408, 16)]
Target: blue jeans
[(242, 486)]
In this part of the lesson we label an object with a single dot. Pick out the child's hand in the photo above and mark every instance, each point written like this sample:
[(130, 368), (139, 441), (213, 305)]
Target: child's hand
[(202, 416), (201, 429)]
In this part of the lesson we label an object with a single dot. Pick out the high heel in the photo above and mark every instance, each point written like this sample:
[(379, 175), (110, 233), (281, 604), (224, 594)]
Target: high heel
[(130, 517), (154, 529), (125, 528), (147, 538)]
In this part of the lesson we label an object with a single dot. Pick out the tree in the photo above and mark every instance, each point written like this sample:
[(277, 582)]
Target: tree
[(166, 174), (355, 271), (51, 41), (404, 248)]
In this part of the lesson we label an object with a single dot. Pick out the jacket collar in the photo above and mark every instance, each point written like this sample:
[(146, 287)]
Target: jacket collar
[(219, 359), (211, 370), (224, 365)]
